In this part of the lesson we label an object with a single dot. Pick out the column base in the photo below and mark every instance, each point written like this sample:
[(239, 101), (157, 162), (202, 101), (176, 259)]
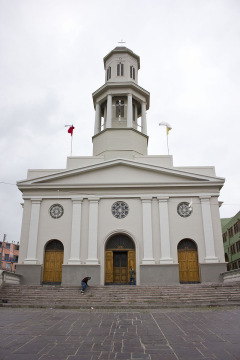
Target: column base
[(92, 262), (211, 260), (148, 261), (74, 262), (31, 261), (166, 261)]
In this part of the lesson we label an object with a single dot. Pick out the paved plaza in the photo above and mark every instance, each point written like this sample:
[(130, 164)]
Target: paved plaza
[(50, 334)]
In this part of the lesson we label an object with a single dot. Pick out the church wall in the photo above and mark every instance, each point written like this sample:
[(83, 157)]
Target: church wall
[(189, 227), (59, 229)]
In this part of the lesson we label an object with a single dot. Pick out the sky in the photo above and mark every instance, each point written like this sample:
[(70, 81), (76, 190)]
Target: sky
[(52, 61)]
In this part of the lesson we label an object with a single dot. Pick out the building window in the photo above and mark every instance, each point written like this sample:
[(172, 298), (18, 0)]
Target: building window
[(236, 227), (7, 246), (120, 69), (238, 245), (6, 257), (132, 72), (8, 266), (15, 259), (233, 249), (230, 232), (225, 237), (16, 247), (109, 73), (234, 265), (119, 108)]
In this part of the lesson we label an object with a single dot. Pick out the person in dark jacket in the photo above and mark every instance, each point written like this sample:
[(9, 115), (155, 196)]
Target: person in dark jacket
[(84, 283)]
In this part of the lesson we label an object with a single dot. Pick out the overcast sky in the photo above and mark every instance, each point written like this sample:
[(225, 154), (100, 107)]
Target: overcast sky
[(51, 55)]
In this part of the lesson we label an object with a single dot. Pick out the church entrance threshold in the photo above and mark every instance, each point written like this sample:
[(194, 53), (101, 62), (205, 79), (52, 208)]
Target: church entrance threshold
[(119, 256)]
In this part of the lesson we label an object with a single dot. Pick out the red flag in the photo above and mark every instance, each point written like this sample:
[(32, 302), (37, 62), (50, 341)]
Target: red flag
[(70, 130)]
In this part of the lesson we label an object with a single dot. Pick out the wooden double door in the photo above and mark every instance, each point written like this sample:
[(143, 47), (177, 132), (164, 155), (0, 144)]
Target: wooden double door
[(53, 262), (117, 266), (188, 266)]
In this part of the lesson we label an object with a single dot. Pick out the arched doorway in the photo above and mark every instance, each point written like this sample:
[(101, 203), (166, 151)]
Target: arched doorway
[(53, 262), (188, 262), (119, 256)]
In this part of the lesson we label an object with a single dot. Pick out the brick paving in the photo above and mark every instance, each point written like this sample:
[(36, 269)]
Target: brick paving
[(53, 334)]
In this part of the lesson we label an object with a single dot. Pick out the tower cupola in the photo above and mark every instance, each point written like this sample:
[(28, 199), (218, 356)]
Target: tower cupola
[(120, 104)]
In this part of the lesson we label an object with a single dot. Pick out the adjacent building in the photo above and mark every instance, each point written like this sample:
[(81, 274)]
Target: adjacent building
[(9, 253), (231, 241), (121, 207)]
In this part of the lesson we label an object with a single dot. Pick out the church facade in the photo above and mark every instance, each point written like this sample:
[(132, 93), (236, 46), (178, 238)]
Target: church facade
[(121, 207)]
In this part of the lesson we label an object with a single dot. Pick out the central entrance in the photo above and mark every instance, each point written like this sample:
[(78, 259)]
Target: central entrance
[(119, 256)]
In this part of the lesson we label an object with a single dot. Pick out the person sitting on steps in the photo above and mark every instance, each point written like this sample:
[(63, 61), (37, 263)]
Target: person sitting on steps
[(84, 283)]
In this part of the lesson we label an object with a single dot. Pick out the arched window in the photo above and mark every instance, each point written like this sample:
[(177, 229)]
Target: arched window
[(109, 73), (120, 69), (120, 241), (132, 72)]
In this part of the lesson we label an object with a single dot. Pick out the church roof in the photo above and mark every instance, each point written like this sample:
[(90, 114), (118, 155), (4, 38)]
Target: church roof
[(121, 50)]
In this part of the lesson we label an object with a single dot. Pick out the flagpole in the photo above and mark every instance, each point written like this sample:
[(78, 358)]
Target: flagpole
[(167, 143), (71, 144)]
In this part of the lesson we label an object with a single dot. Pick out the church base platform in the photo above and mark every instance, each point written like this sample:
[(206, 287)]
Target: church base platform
[(212, 272), (72, 275), (31, 274), (149, 274), (159, 274)]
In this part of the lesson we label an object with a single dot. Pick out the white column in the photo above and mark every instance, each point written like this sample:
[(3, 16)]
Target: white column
[(93, 232), (144, 120), (147, 231), (97, 127), (33, 233), (164, 231), (208, 230), (109, 112), (76, 231), (129, 112)]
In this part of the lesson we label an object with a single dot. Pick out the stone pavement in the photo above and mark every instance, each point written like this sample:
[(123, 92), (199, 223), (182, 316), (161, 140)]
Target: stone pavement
[(50, 334)]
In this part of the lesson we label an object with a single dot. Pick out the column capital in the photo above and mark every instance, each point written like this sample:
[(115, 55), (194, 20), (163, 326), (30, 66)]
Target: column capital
[(77, 200), (163, 198), (36, 200), (205, 198), (94, 199), (146, 199)]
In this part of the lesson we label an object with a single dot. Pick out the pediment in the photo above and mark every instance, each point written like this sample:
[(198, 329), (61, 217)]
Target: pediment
[(119, 172)]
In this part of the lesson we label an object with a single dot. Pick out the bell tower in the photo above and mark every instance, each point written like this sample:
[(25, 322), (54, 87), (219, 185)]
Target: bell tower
[(120, 108)]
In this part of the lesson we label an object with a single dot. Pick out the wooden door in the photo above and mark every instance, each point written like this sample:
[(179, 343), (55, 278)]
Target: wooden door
[(188, 266), (120, 267), (53, 266), (109, 266), (131, 262)]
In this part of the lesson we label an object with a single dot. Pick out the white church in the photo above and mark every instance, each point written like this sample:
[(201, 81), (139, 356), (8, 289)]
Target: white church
[(121, 207)]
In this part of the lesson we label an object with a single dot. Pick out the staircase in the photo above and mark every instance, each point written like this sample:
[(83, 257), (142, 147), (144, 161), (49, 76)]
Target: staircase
[(120, 296)]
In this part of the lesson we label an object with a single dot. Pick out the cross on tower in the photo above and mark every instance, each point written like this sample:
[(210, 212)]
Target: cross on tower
[(121, 42)]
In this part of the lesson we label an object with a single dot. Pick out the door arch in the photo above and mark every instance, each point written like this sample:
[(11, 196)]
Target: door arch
[(53, 261), (188, 262), (120, 254)]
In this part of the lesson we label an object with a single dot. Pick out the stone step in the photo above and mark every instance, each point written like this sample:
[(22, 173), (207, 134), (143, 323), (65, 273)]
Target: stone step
[(120, 296)]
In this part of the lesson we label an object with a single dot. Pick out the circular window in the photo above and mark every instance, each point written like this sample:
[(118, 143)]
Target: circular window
[(120, 209), (56, 211), (184, 209)]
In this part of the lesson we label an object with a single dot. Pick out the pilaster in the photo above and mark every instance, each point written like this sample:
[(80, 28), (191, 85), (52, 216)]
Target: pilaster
[(164, 231), (208, 230), (129, 112), (93, 232), (33, 232), (76, 231), (144, 119), (147, 231)]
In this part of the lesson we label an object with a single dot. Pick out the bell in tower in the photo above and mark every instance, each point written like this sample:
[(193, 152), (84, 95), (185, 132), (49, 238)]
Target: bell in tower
[(120, 104)]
